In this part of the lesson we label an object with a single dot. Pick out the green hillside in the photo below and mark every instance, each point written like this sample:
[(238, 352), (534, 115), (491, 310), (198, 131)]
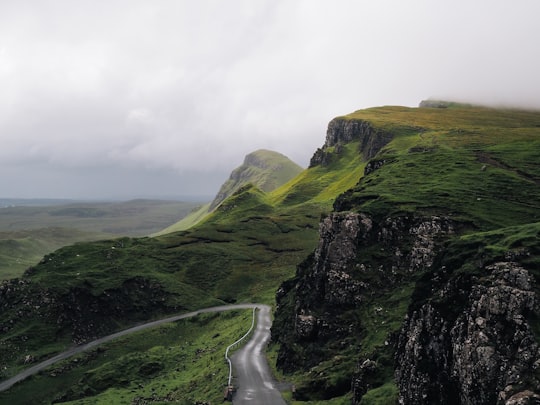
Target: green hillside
[(241, 252), (477, 164), (33, 228), (22, 249), (475, 170), (479, 167), (264, 169)]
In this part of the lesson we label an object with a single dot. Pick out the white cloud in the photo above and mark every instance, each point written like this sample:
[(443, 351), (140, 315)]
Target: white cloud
[(182, 86)]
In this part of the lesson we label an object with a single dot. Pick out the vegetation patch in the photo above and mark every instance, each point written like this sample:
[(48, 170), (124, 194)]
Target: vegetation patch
[(181, 362)]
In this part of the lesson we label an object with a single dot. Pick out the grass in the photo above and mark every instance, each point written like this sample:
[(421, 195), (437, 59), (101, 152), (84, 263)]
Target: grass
[(181, 362), (27, 233), (264, 169), (386, 394), (477, 166), (242, 252), (22, 249), (194, 217)]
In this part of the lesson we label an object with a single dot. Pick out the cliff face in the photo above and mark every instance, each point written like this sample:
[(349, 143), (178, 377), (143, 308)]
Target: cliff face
[(390, 302), (341, 131), (472, 342), (356, 266), (469, 342)]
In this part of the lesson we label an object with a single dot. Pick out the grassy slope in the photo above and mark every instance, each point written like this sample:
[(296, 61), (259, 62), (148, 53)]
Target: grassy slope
[(191, 219), (264, 169), (27, 233), (181, 362), (254, 240), (241, 252), (21, 249), (476, 164), (480, 167)]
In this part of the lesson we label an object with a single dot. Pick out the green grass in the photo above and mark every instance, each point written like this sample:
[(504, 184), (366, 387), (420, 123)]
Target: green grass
[(27, 233), (265, 170), (386, 394), (190, 220), (477, 166), (473, 164), (181, 361)]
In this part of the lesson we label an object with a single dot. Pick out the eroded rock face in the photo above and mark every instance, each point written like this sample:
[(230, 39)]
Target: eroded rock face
[(342, 131), (482, 351), (355, 257)]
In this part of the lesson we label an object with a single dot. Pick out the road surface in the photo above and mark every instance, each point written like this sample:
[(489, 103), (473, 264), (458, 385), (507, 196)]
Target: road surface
[(257, 367), (252, 376)]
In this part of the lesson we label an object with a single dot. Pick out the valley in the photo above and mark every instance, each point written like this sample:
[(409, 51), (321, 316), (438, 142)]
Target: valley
[(29, 229), (401, 265)]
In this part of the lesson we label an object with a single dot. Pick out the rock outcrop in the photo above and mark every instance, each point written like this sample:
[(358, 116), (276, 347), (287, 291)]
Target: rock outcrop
[(76, 312), (357, 259), (471, 343), (342, 131), (467, 337)]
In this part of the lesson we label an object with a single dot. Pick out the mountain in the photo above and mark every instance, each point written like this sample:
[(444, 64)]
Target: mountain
[(423, 286), (403, 264), (239, 253), (265, 169)]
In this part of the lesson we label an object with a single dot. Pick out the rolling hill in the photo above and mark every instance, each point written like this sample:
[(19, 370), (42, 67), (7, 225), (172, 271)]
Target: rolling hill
[(29, 229), (403, 264)]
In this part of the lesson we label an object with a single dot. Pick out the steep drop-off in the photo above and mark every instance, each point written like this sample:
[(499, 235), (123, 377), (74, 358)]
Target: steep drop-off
[(423, 287)]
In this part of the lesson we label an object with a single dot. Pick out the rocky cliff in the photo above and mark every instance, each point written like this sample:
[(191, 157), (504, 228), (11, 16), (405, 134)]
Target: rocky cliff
[(359, 262), (395, 304), (472, 341), (341, 131)]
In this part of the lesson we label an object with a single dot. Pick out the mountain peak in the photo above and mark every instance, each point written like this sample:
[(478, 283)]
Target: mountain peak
[(263, 168)]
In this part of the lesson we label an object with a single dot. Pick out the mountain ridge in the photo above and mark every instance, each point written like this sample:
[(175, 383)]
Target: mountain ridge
[(263, 168), (374, 310), (375, 256)]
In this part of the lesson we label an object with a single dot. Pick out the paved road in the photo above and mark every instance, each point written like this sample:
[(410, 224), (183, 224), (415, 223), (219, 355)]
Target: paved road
[(252, 375), (258, 374)]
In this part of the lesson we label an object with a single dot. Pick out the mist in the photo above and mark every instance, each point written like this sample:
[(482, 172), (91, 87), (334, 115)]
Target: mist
[(121, 99)]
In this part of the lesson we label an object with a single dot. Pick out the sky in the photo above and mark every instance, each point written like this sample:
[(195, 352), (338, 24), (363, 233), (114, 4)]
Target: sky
[(163, 98)]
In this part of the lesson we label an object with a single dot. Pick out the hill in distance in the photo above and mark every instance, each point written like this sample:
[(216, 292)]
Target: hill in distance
[(403, 265), (30, 229), (265, 169)]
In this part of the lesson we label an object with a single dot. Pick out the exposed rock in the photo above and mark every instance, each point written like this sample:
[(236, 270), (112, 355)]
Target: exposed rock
[(373, 165), (365, 371), (77, 312), (471, 343), (342, 131), (341, 276)]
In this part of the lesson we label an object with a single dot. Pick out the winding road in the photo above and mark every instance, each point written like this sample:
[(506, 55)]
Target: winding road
[(252, 376), (250, 368)]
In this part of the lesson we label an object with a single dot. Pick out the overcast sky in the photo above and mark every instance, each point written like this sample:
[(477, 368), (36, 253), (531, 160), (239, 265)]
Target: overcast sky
[(139, 98)]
